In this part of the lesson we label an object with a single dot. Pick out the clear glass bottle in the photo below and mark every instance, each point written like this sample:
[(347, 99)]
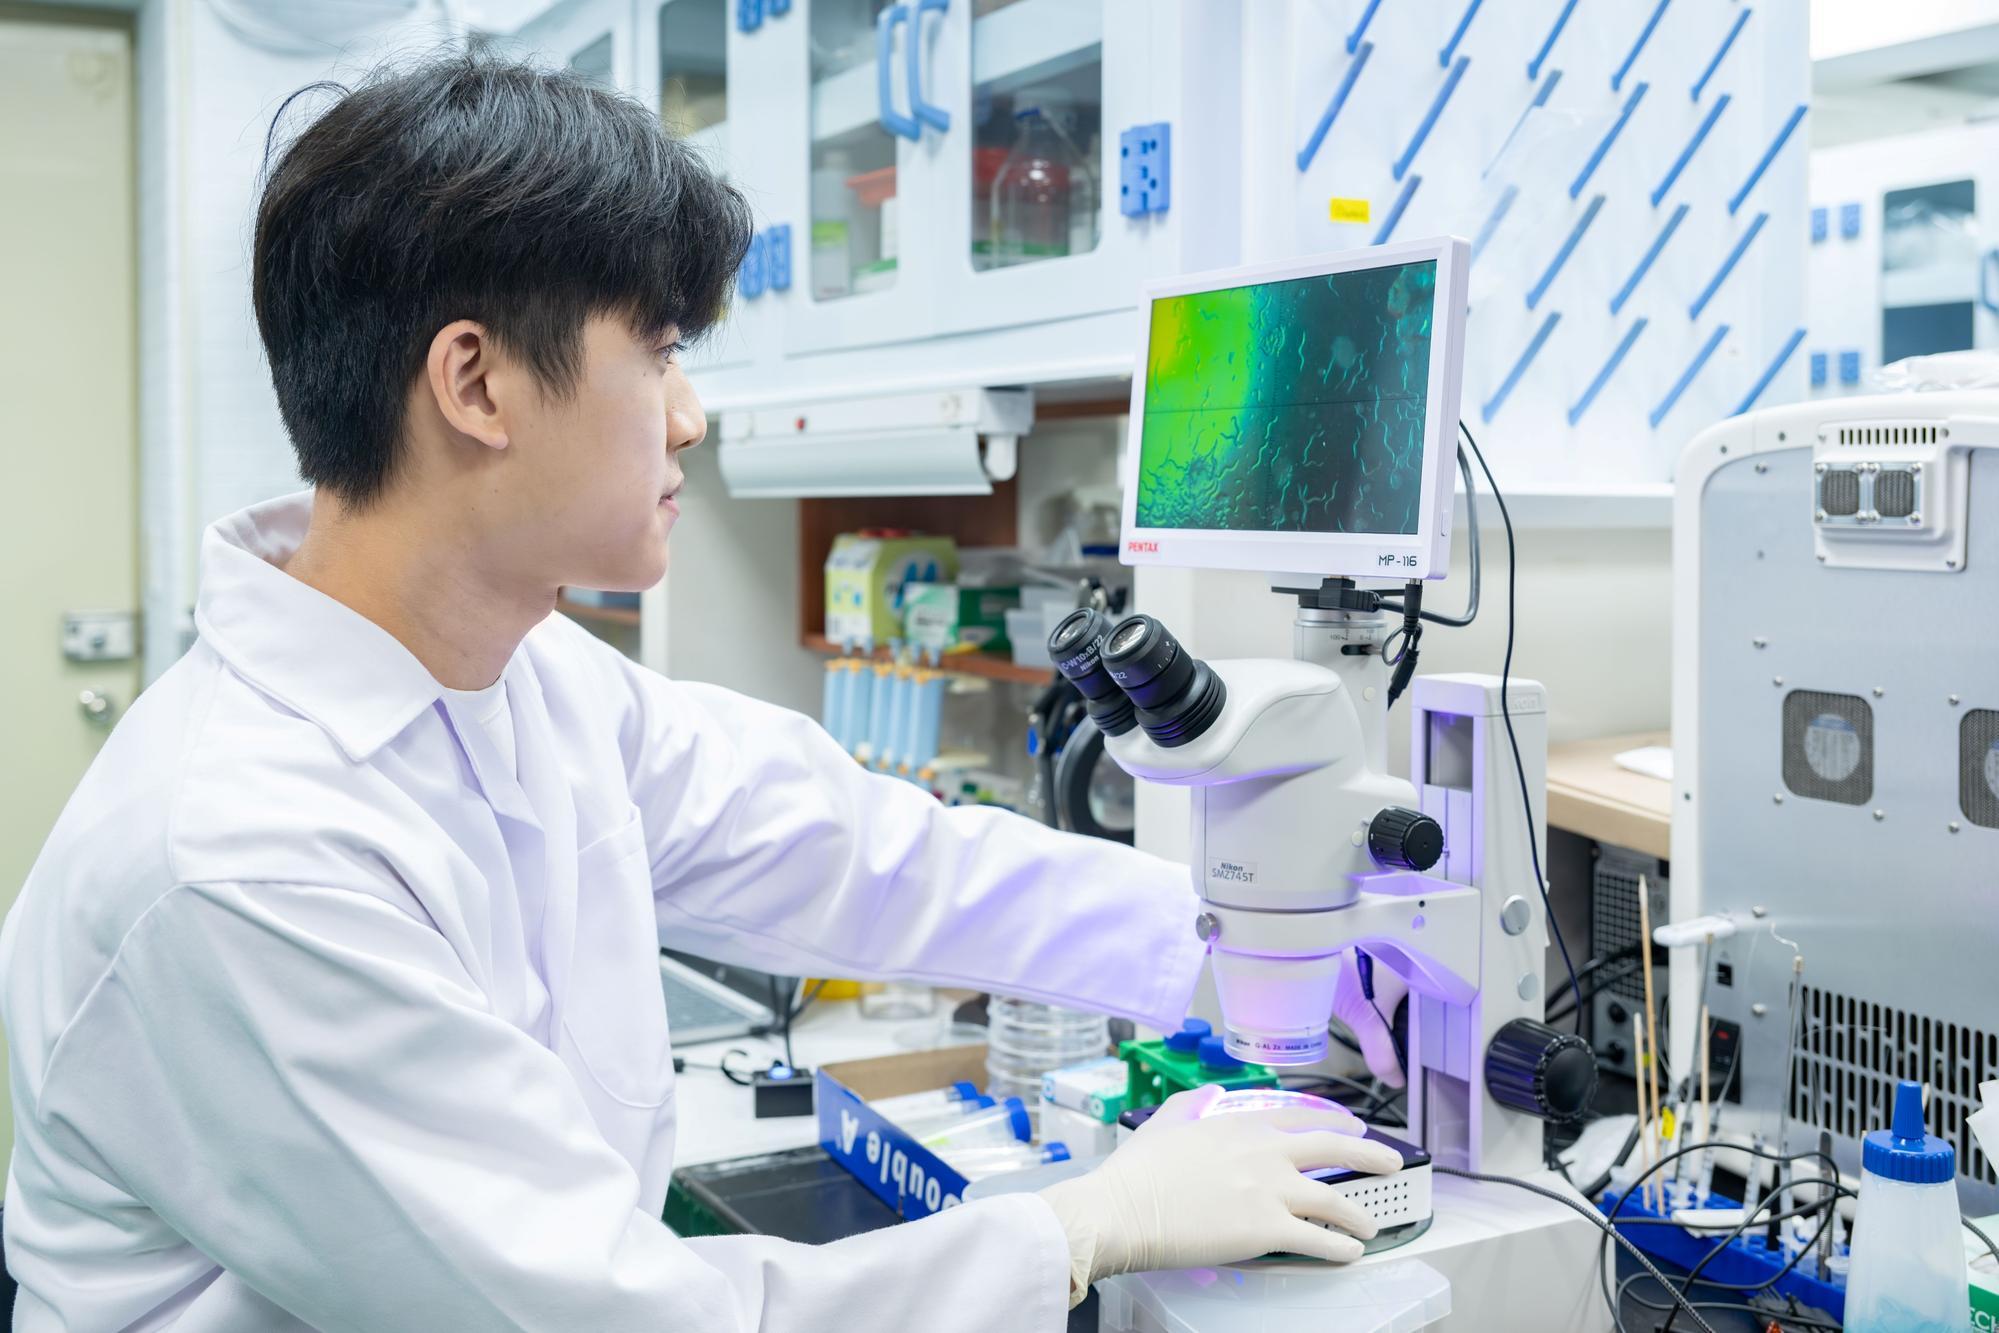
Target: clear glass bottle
[(1043, 184)]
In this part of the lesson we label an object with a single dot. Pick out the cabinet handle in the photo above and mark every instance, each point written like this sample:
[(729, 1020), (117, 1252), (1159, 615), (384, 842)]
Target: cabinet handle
[(935, 116), (891, 120)]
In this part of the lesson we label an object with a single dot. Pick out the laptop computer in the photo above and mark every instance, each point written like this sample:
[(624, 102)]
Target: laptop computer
[(710, 1001)]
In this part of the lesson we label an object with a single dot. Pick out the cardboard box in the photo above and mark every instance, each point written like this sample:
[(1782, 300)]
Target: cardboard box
[(898, 1170), (866, 574)]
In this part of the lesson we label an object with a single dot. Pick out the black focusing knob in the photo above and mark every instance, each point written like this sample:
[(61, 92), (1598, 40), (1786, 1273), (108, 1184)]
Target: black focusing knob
[(1405, 839), (1533, 1068)]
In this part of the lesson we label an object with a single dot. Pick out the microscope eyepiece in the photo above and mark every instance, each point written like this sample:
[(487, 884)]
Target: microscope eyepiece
[(1077, 647), (1177, 696)]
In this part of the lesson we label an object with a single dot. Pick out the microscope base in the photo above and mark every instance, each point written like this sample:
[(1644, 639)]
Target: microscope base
[(1514, 1263)]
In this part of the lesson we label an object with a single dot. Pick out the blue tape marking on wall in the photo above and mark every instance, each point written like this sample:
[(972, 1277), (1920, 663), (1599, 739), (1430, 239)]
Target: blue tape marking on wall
[(1429, 121), (1727, 267), (1540, 100), (1457, 35), (1849, 366), (1819, 227), (1366, 17), (1687, 376), (1499, 395), (1720, 53), (1395, 211), (1769, 156), (1603, 145), (1693, 146), (1849, 221), (1819, 365), (1609, 369), (1645, 261), (1769, 372), (1644, 36), (1540, 289), (1332, 112), (1493, 220), (1541, 56)]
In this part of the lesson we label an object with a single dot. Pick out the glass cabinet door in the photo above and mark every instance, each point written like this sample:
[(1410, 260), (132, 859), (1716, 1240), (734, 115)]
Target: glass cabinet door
[(1037, 130), (693, 68), (855, 237)]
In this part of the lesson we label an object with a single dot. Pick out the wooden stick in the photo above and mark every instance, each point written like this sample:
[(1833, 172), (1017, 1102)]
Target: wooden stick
[(1644, 1107), (1645, 967)]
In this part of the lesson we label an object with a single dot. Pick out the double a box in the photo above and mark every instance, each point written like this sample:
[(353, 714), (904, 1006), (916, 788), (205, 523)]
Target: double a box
[(898, 1170)]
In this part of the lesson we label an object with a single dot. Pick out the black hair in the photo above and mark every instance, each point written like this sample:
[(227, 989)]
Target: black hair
[(470, 187)]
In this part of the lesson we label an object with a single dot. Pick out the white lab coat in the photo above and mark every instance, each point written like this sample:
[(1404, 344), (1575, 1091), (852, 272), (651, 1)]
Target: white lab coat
[(320, 1018)]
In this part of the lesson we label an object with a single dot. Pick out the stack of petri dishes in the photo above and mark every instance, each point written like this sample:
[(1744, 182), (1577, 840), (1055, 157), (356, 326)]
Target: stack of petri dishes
[(1024, 1040)]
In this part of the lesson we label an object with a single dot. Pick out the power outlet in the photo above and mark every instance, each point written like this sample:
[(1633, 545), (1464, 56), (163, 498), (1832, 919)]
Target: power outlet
[(1145, 171)]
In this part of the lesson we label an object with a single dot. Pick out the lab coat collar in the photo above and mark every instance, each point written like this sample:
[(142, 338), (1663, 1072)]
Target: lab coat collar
[(322, 660)]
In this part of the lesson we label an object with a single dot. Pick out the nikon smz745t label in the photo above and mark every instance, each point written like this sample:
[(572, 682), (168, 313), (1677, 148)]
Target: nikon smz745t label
[(1231, 872)]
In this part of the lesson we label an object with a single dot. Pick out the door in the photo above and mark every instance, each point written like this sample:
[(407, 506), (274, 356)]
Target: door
[(1029, 189), (688, 55), (68, 420), (857, 162)]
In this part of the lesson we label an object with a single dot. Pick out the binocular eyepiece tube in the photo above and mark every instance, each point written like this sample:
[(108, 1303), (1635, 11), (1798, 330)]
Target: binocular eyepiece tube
[(1137, 672)]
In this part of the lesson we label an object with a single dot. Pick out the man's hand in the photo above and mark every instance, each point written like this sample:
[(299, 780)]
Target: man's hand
[(1185, 1191), (1369, 1020)]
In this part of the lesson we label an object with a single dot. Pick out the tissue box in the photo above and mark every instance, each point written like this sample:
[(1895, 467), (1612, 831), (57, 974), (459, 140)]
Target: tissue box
[(1095, 1088), (867, 574), (938, 617)]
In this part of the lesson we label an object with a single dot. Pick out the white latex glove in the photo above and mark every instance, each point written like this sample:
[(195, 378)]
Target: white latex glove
[(1350, 1006), (1184, 1192)]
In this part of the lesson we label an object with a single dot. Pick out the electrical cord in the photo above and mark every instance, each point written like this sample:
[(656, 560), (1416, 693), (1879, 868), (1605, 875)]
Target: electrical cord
[(1595, 1217), (1473, 547), (1629, 953), (1506, 713), (1983, 1239), (1825, 1203)]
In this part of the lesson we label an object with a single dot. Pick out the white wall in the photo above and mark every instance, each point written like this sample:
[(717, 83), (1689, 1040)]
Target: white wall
[(210, 437)]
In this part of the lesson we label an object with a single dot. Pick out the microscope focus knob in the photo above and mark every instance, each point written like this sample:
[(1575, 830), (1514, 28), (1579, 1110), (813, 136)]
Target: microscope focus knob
[(1533, 1068), (1405, 839)]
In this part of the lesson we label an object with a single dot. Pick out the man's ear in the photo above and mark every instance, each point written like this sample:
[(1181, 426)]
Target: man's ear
[(462, 371)]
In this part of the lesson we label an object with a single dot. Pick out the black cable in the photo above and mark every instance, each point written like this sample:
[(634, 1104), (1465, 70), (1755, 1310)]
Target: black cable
[(1624, 1293), (1561, 1008), (1506, 713), (1826, 1202), (1473, 545), (1637, 1185), (1585, 1210), (1595, 965)]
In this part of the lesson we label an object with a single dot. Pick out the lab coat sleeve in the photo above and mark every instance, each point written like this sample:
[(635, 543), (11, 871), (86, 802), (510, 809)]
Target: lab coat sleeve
[(771, 847), (306, 1085)]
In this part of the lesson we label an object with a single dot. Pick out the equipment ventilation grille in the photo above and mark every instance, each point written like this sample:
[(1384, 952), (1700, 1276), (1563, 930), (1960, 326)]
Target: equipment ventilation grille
[(1894, 492), (1978, 767), (1839, 493), (1889, 434), (1828, 744), (1852, 1051), (1614, 911)]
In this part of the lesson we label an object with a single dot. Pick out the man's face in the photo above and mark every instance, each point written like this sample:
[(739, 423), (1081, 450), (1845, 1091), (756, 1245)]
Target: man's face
[(593, 493)]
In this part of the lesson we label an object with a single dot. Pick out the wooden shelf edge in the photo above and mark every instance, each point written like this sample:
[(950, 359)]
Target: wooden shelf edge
[(610, 615), (986, 666)]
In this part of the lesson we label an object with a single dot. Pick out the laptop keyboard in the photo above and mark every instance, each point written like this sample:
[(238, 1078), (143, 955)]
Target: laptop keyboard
[(689, 1009)]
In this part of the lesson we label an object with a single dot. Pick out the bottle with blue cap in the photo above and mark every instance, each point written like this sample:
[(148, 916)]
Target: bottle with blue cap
[(1907, 1273)]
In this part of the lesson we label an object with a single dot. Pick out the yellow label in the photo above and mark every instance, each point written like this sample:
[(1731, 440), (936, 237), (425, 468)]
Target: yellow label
[(1666, 1126), (1348, 210)]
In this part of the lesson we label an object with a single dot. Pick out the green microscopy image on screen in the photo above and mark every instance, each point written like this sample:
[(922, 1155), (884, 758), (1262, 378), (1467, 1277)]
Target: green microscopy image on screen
[(1294, 406)]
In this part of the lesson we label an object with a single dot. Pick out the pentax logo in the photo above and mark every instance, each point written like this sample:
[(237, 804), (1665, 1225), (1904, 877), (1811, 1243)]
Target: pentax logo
[(1142, 548)]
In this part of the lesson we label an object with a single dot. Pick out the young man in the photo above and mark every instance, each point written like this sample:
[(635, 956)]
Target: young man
[(334, 999)]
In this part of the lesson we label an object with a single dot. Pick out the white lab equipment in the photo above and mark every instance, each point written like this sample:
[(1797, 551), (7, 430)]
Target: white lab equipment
[(1907, 1269), (1327, 457), (1836, 760), (296, 804)]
